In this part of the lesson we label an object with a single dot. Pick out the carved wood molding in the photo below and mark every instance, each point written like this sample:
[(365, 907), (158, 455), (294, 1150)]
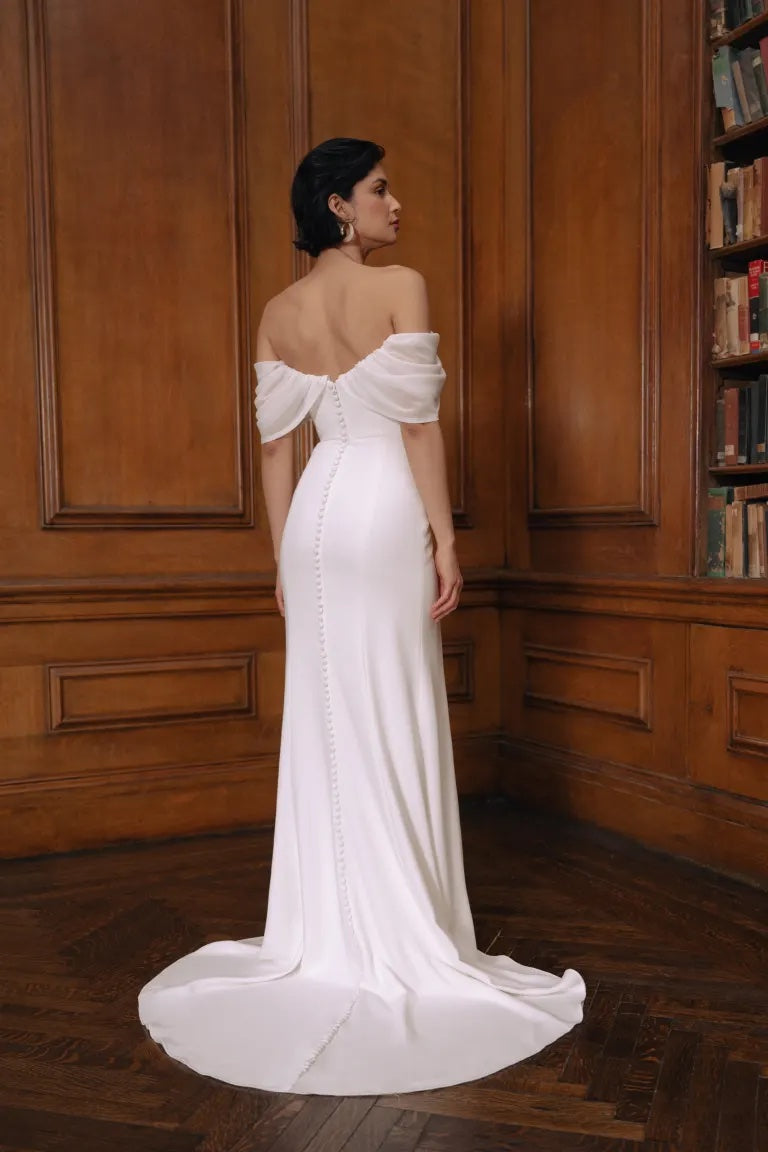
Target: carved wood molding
[(696, 600), (645, 510), (546, 660), (460, 655), (147, 691), (56, 511), (462, 517), (741, 685), (687, 598)]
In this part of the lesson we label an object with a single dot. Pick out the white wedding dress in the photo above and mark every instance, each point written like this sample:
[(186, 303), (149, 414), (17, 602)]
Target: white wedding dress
[(367, 979)]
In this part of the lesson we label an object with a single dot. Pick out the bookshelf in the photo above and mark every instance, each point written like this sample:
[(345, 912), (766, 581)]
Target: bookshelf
[(733, 540)]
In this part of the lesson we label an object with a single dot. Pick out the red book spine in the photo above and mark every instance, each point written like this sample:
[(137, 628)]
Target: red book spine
[(754, 304)]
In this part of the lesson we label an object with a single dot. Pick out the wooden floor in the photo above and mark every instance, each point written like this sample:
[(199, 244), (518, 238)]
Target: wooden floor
[(672, 1053)]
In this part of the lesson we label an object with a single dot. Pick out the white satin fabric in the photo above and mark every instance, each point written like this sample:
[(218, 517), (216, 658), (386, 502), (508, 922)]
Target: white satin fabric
[(367, 979)]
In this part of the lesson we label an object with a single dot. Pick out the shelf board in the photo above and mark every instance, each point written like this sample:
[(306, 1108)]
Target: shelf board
[(756, 128), (740, 361), (739, 470), (743, 33), (758, 246)]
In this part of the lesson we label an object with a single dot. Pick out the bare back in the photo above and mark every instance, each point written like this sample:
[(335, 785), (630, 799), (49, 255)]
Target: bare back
[(333, 317)]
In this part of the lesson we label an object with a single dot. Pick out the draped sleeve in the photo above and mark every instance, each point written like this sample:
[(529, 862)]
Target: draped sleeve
[(404, 380), (283, 399)]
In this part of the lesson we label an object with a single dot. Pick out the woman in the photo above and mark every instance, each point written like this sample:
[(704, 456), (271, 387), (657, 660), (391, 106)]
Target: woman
[(367, 979)]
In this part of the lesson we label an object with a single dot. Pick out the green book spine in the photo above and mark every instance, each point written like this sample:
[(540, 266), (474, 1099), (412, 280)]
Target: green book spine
[(717, 500)]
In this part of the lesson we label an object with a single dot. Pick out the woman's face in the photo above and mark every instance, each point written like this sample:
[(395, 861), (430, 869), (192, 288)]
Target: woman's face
[(373, 209)]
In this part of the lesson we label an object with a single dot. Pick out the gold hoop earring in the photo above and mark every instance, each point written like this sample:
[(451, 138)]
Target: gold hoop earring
[(347, 230)]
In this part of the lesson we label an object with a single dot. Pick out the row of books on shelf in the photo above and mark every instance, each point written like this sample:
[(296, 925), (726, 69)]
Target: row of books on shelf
[(737, 531), (739, 79), (741, 423), (741, 312), (726, 15), (737, 202)]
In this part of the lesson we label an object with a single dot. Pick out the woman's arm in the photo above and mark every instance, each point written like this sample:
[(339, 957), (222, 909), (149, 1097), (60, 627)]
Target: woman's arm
[(277, 481), (425, 448), (277, 472)]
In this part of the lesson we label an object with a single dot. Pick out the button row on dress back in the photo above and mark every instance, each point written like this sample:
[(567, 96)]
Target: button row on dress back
[(336, 816)]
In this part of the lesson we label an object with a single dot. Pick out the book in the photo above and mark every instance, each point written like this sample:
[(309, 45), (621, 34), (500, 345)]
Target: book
[(738, 80), (760, 81), (729, 197), (736, 176), (759, 407), (762, 541), (716, 178), (750, 492), (744, 426), (732, 316), (763, 311), (750, 84), (720, 335), (735, 539), (748, 199), (731, 396), (732, 529), (720, 431), (726, 96), (752, 566), (717, 501), (754, 269), (718, 23), (742, 296), (761, 215)]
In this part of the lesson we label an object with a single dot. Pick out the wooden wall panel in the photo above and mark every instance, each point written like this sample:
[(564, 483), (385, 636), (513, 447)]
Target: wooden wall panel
[(141, 369), (471, 657), (729, 709), (606, 687), (594, 245), (613, 218), (93, 694), (132, 273)]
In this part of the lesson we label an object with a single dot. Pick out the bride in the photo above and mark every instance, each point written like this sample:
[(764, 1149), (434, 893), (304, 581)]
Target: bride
[(367, 979)]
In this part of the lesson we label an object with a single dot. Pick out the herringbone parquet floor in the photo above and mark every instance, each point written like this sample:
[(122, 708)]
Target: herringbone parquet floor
[(672, 1054)]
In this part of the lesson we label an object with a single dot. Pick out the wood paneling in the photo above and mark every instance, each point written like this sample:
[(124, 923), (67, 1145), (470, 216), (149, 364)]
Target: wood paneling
[(594, 230), (140, 371), (613, 217), (607, 687), (135, 693), (614, 687), (133, 274), (143, 654), (471, 657), (729, 709)]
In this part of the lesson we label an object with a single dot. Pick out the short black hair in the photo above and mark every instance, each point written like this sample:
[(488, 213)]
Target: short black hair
[(336, 165)]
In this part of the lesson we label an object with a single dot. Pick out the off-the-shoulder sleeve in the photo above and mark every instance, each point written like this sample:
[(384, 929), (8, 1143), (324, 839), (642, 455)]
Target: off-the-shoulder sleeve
[(283, 398), (404, 380)]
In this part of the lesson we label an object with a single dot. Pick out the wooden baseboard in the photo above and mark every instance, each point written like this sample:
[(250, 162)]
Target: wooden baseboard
[(703, 825)]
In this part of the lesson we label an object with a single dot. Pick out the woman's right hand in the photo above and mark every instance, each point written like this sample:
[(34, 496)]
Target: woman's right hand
[(449, 580), (279, 594)]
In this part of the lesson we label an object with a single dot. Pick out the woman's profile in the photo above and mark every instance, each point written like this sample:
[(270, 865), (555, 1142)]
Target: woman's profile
[(367, 979)]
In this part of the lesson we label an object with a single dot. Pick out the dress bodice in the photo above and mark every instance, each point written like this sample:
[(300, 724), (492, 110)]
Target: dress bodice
[(399, 382)]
